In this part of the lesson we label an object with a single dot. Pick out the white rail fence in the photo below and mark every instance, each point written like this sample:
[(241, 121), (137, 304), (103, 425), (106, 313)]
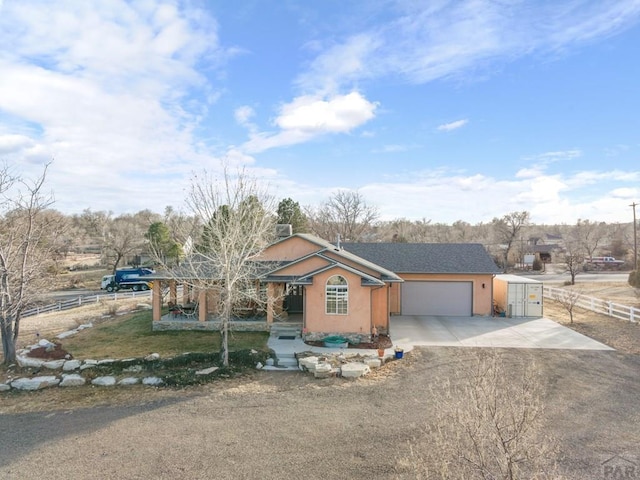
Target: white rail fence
[(604, 307), (80, 301)]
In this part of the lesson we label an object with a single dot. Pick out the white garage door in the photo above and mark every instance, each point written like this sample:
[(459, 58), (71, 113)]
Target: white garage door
[(437, 298)]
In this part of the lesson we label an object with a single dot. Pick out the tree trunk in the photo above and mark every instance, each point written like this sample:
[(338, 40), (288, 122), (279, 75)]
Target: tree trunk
[(224, 332), (8, 344)]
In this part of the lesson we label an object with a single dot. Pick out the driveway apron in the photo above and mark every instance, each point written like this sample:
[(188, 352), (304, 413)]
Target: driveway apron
[(408, 331)]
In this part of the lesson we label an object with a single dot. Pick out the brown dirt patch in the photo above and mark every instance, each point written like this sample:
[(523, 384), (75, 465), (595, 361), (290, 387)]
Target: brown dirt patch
[(55, 352)]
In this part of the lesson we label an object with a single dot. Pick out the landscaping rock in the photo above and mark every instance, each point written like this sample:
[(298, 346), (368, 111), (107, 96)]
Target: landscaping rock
[(72, 380), (354, 370), (106, 361), (4, 387), (129, 381), (104, 381), (152, 356), (68, 333), (35, 383), (323, 370), (44, 343), (309, 363), (28, 362), (152, 381), (54, 364), (133, 369), (207, 371), (373, 362), (70, 365)]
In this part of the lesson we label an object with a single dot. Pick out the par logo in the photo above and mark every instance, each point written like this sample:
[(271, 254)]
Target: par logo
[(618, 467)]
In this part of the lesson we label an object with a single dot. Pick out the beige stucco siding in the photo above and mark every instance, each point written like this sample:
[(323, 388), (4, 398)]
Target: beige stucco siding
[(482, 296), (358, 319), (302, 268), (290, 249)]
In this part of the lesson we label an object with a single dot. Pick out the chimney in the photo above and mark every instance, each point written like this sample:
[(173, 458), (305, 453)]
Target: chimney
[(284, 230)]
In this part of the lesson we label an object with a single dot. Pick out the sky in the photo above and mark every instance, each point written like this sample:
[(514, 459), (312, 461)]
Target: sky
[(437, 110)]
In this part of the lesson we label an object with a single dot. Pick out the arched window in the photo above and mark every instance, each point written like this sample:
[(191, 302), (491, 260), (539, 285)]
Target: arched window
[(337, 296)]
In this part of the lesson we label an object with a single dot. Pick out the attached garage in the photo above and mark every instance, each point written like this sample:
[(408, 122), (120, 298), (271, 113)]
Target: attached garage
[(454, 299)]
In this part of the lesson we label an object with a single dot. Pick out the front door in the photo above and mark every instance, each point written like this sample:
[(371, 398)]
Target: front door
[(293, 300)]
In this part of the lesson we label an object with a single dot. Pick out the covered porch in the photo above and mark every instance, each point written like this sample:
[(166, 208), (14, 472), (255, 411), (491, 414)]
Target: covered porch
[(182, 306)]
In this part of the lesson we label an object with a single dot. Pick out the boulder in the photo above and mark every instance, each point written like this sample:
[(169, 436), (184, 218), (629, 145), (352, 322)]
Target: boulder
[(72, 380), (35, 383), (152, 381), (308, 363), (129, 381), (70, 365), (44, 343), (354, 370), (373, 362), (4, 387), (107, 381), (152, 356), (54, 364), (27, 362)]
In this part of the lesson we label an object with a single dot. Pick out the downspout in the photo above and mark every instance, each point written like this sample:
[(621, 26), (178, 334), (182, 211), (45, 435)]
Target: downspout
[(371, 310)]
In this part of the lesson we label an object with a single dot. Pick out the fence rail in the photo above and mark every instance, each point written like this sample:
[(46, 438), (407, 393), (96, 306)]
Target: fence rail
[(83, 300), (604, 307)]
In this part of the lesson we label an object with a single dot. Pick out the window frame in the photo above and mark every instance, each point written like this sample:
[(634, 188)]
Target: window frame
[(336, 297)]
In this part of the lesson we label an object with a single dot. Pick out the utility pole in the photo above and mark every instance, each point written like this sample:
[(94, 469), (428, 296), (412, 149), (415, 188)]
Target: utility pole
[(635, 237)]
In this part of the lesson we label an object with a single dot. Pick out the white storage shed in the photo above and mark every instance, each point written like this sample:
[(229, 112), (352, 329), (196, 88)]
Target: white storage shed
[(518, 296)]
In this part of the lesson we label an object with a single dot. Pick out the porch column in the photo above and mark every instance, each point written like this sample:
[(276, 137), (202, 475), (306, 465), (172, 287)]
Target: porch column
[(202, 305), (270, 301), (173, 292), (156, 300)]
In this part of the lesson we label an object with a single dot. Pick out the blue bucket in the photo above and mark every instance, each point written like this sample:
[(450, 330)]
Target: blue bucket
[(399, 353)]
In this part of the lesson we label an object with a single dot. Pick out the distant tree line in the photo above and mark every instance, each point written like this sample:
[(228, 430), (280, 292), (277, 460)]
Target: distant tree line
[(35, 239)]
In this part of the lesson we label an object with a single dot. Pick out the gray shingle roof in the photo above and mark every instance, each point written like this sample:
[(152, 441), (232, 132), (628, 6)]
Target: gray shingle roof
[(426, 257)]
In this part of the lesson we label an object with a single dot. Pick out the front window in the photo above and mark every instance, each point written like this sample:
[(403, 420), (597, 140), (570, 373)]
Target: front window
[(337, 295)]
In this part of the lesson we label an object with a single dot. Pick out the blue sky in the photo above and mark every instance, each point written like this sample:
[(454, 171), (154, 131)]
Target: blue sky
[(441, 110)]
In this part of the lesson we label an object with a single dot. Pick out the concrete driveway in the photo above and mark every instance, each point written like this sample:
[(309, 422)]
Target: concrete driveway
[(410, 331)]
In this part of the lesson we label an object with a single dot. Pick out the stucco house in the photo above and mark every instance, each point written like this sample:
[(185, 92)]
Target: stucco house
[(351, 288)]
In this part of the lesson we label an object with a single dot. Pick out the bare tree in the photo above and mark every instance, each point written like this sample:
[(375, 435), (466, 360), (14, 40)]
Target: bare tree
[(507, 230), (27, 240), (487, 425), (589, 235), (345, 215), (573, 256), (124, 238), (567, 299), (239, 224)]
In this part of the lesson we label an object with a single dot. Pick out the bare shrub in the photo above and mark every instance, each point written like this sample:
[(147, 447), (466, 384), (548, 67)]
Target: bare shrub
[(487, 425), (567, 299), (111, 308)]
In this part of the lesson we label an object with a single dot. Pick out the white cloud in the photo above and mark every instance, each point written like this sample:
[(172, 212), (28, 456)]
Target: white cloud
[(431, 40), (447, 127), (105, 90), (14, 143), (244, 114), (308, 116)]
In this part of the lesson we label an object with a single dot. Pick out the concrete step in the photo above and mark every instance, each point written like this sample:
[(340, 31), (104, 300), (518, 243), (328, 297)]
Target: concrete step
[(287, 362), (287, 330)]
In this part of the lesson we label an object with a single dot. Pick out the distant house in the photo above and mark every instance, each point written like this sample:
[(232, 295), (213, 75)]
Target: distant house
[(355, 287)]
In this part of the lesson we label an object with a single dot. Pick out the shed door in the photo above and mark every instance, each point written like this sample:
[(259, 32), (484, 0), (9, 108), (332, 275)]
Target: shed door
[(453, 299)]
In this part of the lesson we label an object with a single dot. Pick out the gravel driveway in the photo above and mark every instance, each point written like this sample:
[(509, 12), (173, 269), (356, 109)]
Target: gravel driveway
[(277, 425)]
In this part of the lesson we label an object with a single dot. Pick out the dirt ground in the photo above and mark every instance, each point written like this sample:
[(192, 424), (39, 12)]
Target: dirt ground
[(272, 425)]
